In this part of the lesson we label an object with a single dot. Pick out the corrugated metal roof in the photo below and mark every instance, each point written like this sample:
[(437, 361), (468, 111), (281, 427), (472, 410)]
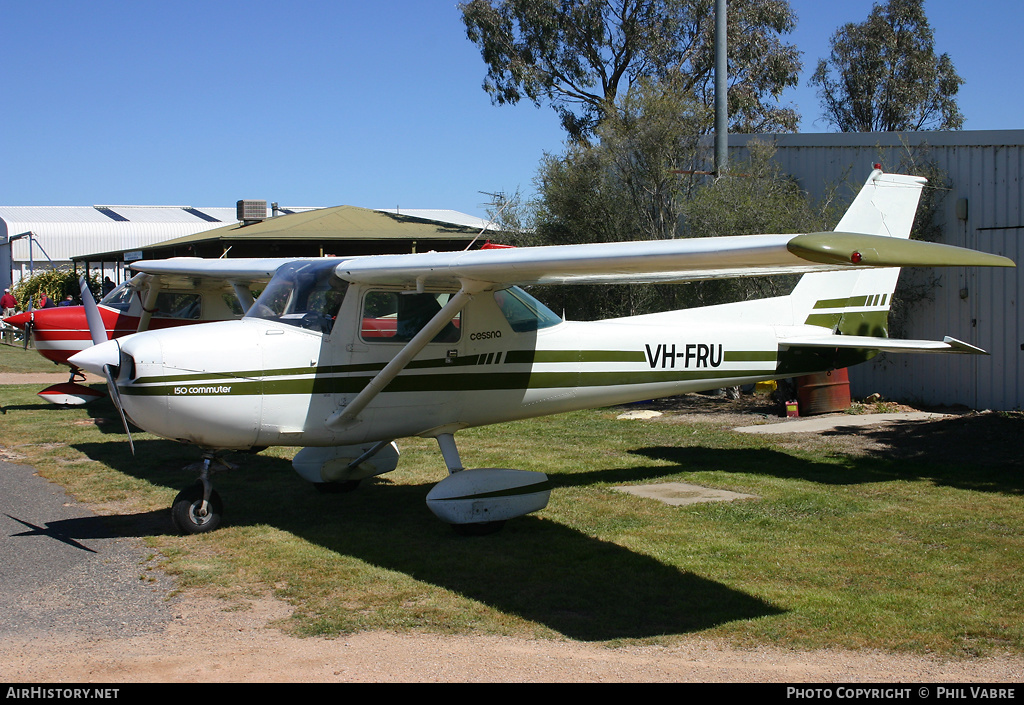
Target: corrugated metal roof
[(442, 215), (94, 214), (63, 232), (340, 222), (63, 240)]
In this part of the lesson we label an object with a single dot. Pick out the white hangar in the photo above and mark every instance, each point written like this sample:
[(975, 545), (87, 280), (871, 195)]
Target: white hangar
[(37, 237)]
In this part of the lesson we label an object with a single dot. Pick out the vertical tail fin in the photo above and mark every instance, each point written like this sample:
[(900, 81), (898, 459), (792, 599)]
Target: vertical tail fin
[(857, 302)]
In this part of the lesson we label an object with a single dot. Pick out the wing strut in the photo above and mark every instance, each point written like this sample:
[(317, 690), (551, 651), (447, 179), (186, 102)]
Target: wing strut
[(244, 296), (149, 303), (398, 363)]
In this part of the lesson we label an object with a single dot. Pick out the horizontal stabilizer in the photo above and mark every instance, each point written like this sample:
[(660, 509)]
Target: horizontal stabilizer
[(863, 342)]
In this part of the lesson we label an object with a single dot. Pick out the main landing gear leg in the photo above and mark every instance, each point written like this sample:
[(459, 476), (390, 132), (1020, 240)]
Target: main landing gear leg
[(199, 509), (446, 442)]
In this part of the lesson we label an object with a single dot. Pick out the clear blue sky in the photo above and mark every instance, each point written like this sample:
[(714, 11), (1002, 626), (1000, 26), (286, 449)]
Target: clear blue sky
[(322, 103)]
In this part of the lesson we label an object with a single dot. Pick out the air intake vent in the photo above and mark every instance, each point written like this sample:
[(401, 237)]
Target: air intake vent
[(251, 211)]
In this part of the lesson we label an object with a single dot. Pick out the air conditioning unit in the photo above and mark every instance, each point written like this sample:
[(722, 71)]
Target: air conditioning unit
[(251, 211)]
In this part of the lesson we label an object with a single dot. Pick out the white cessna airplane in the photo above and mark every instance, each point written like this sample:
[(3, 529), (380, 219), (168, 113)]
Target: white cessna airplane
[(344, 356)]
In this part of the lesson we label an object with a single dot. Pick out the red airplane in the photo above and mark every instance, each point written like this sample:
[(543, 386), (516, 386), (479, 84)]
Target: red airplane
[(141, 303)]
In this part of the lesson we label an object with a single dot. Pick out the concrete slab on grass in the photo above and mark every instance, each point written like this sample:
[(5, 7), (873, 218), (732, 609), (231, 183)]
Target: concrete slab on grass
[(680, 493), (829, 423)]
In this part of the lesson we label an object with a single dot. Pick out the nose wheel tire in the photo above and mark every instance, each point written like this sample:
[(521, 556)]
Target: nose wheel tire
[(190, 516)]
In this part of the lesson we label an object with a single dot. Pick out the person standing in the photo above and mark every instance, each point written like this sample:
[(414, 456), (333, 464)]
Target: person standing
[(8, 303)]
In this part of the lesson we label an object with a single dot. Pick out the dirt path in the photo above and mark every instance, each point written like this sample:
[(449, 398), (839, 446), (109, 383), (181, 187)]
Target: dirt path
[(205, 643)]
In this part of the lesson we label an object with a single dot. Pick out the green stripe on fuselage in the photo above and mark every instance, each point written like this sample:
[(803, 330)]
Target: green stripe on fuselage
[(350, 379), (842, 303), (825, 320), (751, 355)]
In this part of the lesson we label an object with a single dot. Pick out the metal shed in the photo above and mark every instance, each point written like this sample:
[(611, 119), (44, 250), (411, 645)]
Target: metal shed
[(979, 208)]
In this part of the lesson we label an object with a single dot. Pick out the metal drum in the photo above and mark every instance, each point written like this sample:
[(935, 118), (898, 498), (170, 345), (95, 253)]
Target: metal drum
[(823, 393)]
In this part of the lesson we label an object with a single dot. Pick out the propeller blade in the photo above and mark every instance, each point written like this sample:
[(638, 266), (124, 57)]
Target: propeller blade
[(109, 373), (28, 325), (92, 314)]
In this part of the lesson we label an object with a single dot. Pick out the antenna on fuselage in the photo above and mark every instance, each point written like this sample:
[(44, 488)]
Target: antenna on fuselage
[(498, 199)]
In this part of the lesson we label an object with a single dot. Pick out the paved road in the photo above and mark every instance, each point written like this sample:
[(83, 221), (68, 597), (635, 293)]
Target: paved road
[(65, 570)]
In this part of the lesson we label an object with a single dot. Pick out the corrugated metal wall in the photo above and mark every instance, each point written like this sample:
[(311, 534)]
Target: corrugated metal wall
[(985, 171)]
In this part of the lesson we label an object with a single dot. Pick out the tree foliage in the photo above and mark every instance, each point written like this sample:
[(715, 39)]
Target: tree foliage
[(56, 283), (754, 197), (628, 185), (620, 186), (883, 75), (581, 56)]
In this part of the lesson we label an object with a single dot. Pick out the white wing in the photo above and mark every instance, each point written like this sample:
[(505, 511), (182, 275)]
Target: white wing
[(659, 260), (241, 269)]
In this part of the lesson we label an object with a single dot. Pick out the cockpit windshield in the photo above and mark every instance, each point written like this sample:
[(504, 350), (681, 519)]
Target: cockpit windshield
[(523, 312), (120, 297), (303, 294)]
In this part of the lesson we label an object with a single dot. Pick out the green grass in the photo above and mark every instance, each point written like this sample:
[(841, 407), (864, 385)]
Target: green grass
[(916, 554), (13, 358)]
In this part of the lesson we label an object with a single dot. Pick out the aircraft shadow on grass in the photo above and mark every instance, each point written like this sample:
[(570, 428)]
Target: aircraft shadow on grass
[(973, 452), (577, 585)]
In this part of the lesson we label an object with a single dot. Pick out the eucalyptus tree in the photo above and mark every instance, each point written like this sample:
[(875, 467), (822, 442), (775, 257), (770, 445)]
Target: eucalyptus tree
[(581, 56), (883, 74)]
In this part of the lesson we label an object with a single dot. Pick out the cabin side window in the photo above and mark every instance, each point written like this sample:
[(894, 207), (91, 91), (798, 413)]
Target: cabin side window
[(392, 316), (181, 306)]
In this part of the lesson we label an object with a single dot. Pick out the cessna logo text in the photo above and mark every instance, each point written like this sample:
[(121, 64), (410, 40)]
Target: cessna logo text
[(485, 335), (688, 355), (213, 389)]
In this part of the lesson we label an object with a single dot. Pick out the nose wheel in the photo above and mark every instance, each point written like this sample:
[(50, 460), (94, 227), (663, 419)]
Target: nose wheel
[(198, 509), (195, 513)]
